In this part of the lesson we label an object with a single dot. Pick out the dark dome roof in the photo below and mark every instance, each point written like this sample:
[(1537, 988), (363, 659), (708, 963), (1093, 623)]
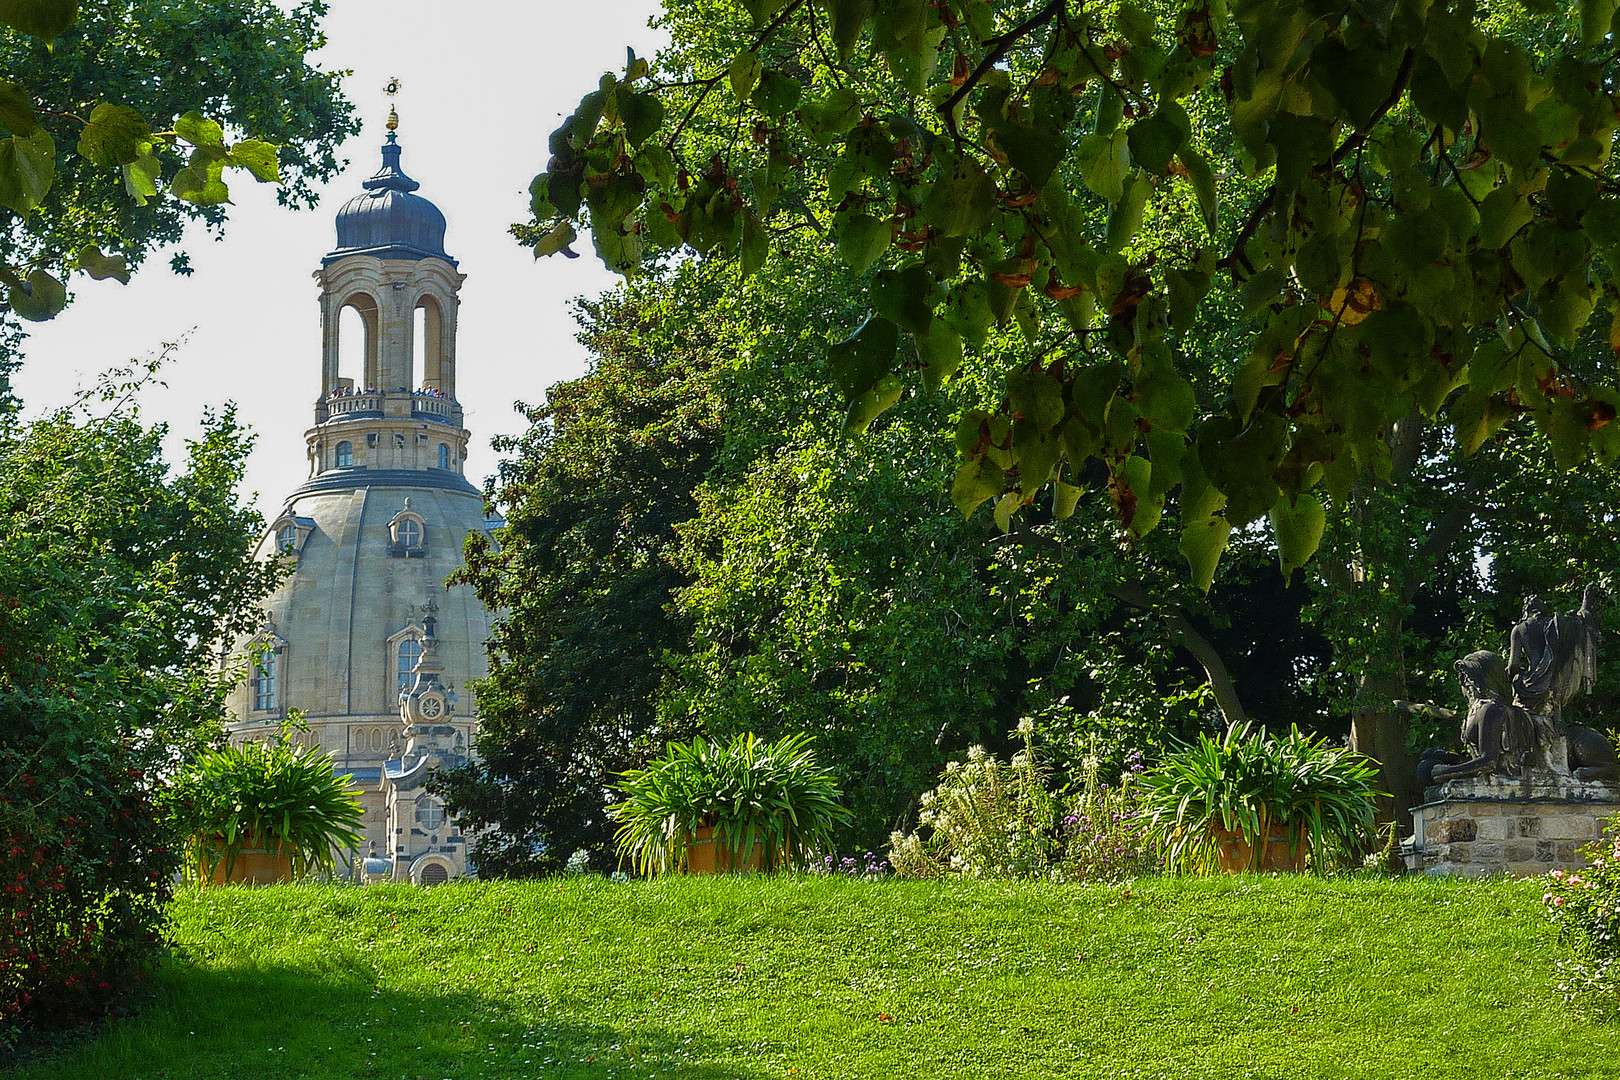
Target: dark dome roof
[(386, 220)]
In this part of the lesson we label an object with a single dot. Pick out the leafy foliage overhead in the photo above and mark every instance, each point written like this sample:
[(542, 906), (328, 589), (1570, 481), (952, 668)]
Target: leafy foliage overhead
[(119, 122), (1412, 210)]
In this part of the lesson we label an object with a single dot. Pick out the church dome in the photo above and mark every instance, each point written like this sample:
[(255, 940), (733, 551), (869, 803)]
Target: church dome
[(387, 220)]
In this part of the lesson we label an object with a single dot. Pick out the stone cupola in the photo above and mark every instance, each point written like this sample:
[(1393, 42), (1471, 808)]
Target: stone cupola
[(395, 408)]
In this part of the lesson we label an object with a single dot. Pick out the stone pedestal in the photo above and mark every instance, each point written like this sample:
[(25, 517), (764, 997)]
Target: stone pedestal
[(1487, 825)]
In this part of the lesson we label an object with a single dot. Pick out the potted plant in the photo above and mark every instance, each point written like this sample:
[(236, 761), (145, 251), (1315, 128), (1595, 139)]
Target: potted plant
[(263, 812), (710, 807), (1249, 802)]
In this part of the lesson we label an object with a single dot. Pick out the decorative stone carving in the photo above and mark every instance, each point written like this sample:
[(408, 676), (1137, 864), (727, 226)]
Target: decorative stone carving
[(1514, 723), (1532, 789)]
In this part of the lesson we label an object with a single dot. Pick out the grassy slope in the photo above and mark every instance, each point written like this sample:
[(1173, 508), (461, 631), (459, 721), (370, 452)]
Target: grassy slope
[(827, 978)]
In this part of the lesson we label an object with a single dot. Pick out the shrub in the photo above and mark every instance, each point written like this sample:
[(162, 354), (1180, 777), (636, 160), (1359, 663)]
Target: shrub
[(988, 818), (86, 870), (119, 579), (757, 796), (1585, 905), (283, 796), (1102, 837), (1248, 783)]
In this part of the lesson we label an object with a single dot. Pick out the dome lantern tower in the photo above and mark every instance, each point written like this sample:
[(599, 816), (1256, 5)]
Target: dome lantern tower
[(397, 409)]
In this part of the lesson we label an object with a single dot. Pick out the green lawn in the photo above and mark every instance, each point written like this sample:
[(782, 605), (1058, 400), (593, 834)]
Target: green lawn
[(808, 978)]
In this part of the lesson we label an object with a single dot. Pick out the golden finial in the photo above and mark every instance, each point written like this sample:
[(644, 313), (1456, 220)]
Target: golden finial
[(391, 87)]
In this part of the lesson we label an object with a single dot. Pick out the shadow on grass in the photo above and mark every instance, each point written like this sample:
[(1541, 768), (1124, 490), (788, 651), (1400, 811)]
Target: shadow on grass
[(333, 1020)]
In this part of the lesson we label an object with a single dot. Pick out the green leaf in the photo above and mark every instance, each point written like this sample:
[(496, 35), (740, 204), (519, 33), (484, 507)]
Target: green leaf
[(940, 350), (902, 297), (558, 239), (1203, 184), (827, 120), (115, 135), (1202, 543), (257, 157), (848, 16), (1126, 217), (39, 298), (46, 20), (1104, 161), (641, 114), (976, 481), (1502, 213), (743, 74), (17, 114), (1298, 525), (864, 357), (862, 239), (1065, 497), (99, 266), (1032, 152), (1166, 400), (868, 406), (776, 93), (141, 175), (200, 131), (962, 198), (27, 168), (1154, 142), (756, 244), (1006, 506), (199, 182)]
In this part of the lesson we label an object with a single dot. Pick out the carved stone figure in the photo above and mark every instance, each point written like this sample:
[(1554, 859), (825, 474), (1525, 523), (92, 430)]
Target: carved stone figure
[(1514, 719), (1551, 658), (1500, 734)]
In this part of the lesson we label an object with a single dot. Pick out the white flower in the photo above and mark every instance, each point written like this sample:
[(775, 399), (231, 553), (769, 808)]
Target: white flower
[(1026, 726)]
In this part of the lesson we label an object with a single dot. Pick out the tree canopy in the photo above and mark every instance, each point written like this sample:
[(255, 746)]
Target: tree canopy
[(1390, 211), (118, 121)]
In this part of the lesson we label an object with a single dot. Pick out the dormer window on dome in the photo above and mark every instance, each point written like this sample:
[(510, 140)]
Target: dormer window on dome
[(288, 534), (407, 534)]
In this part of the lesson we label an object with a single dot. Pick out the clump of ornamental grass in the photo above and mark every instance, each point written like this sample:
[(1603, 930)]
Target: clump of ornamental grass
[(283, 797), (1257, 787), (766, 800)]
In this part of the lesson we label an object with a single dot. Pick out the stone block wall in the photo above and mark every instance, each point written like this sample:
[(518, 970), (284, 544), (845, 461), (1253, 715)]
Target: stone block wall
[(1476, 828)]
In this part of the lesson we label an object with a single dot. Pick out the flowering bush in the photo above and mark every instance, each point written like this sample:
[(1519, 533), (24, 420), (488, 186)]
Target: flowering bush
[(1585, 905), (872, 865), (993, 819), (1102, 838), (86, 872), (119, 579)]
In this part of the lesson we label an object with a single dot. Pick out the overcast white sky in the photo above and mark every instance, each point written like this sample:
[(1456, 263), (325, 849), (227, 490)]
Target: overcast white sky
[(483, 85)]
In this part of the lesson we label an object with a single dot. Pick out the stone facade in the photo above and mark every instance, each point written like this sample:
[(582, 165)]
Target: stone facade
[(1494, 825), (370, 538)]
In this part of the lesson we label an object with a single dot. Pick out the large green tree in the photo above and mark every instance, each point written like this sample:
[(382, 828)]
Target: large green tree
[(581, 579), (1395, 220), (120, 582)]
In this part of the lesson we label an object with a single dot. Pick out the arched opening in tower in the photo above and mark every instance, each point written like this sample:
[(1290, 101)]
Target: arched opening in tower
[(357, 345), (427, 347)]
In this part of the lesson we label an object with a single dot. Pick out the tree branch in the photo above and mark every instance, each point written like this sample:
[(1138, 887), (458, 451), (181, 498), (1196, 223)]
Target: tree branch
[(1003, 45), (1185, 634)]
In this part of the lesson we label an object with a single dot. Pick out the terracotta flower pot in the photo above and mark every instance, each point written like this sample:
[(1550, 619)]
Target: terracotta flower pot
[(255, 864), (705, 856), (1235, 855)]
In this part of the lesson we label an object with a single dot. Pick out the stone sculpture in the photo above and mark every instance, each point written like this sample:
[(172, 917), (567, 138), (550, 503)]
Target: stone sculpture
[(1514, 721)]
